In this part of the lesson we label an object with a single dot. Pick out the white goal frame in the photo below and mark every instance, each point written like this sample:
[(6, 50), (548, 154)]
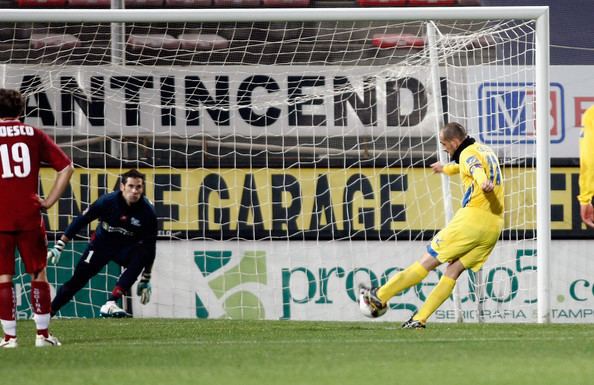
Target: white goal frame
[(538, 13)]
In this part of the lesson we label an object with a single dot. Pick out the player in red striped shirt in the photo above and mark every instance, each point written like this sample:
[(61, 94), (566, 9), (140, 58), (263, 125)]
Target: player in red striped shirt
[(23, 149)]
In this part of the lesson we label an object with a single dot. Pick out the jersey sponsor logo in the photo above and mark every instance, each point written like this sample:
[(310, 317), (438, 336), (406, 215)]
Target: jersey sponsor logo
[(114, 229), (473, 162), (508, 113)]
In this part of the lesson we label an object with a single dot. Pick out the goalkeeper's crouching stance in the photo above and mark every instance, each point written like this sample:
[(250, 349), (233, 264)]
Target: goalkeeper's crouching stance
[(126, 234), (466, 242)]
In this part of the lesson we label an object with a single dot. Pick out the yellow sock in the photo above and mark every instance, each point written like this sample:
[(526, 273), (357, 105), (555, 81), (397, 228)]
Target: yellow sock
[(437, 296), (408, 277)]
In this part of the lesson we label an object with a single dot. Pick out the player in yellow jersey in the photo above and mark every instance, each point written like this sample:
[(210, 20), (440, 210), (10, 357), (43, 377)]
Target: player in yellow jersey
[(466, 242), (587, 168)]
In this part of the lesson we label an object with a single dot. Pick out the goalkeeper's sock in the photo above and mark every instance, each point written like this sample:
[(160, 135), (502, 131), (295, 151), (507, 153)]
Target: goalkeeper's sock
[(412, 275), (437, 296), (116, 293)]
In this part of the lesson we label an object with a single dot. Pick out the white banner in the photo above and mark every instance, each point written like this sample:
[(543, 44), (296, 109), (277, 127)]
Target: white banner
[(496, 103), (224, 100), (318, 281)]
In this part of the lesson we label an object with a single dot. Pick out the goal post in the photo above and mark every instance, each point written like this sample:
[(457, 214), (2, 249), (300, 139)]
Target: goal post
[(288, 151)]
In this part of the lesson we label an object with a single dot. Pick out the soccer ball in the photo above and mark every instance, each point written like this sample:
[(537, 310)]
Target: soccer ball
[(368, 310)]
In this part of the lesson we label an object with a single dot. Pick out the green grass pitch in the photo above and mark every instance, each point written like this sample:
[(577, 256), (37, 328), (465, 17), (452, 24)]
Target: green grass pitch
[(178, 352)]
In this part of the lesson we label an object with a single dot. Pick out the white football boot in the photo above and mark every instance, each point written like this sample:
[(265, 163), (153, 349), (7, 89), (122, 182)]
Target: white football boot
[(112, 310), (42, 342), (9, 343)]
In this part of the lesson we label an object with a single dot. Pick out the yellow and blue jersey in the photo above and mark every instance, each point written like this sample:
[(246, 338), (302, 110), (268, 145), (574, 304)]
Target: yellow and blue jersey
[(473, 232), (478, 163), (586, 180)]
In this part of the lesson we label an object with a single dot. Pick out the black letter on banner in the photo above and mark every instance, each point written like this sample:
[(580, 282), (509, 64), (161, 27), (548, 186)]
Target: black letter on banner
[(32, 86), (166, 182), (296, 116), (102, 185), (167, 85), (67, 208), (365, 109), (285, 215), (244, 98), (250, 202), (389, 212), (366, 215), (217, 108), (323, 203), (393, 102), (212, 183), (93, 108), (132, 86)]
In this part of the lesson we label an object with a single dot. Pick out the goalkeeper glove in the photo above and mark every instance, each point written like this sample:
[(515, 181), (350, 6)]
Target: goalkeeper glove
[(53, 254), (144, 289)]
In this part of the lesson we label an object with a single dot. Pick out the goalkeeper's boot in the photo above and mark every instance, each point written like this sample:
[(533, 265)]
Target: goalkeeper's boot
[(413, 324), (43, 341), (369, 296), (112, 310), (9, 343)]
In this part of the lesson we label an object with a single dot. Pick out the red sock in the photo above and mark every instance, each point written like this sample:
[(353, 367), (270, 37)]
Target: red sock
[(7, 302), (117, 293), (40, 297)]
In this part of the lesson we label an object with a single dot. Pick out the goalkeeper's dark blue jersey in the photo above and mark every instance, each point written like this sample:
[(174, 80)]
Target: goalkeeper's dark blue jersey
[(120, 226)]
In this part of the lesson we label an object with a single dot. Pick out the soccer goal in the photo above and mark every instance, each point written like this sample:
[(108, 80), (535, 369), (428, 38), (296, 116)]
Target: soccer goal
[(287, 151)]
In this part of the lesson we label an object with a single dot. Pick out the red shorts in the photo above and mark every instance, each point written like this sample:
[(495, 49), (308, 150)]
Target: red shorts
[(32, 246)]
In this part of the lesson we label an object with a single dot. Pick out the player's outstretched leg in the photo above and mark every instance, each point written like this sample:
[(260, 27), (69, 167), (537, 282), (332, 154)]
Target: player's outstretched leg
[(408, 277)]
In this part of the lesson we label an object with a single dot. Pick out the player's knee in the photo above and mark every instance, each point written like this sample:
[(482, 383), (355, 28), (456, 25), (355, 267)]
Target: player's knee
[(39, 276), (454, 269)]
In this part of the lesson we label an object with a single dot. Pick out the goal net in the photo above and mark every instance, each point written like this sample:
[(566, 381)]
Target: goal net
[(288, 152)]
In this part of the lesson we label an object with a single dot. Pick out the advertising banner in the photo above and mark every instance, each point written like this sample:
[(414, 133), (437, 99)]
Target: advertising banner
[(312, 204), (254, 101), (224, 100), (319, 280)]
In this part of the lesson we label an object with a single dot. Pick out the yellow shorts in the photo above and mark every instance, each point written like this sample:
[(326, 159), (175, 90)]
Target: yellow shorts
[(469, 237)]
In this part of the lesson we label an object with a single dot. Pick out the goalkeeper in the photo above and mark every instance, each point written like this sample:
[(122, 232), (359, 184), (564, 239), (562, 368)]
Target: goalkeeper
[(586, 180), (466, 242), (126, 234)]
